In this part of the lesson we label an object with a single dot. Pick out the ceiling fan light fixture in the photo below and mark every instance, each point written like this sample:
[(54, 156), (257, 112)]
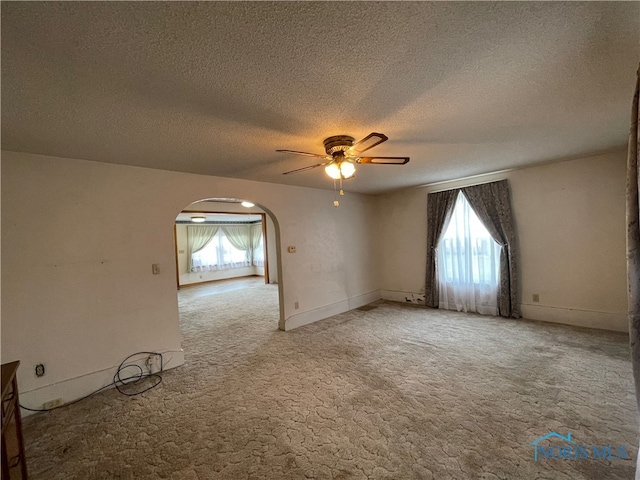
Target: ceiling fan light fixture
[(333, 170), (343, 152), (340, 170), (198, 219), (347, 169)]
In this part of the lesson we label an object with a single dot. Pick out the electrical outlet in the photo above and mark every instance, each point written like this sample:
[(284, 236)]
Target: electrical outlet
[(56, 402), (296, 305), (155, 268), (153, 362), (40, 370), (536, 297)]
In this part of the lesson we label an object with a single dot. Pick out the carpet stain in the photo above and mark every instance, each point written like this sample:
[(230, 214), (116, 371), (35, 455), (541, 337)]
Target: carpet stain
[(367, 308)]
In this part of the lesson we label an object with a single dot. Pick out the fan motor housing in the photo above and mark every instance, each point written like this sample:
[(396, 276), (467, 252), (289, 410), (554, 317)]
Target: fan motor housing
[(338, 143)]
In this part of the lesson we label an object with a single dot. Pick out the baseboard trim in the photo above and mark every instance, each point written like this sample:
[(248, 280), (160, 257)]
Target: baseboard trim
[(327, 311), (195, 284), (78, 387), (617, 322)]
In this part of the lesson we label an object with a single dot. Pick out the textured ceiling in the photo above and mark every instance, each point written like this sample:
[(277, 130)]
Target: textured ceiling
[(463, 88)]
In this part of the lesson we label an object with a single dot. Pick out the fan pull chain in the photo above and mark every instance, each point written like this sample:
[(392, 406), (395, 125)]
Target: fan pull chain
[(336, 203)]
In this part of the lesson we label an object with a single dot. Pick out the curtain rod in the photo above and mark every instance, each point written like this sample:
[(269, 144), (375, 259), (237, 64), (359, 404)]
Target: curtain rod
[(464, 185)]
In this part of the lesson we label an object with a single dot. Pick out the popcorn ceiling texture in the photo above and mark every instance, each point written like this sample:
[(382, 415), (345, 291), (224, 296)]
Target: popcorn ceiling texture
[(397, 392), (463, 88)]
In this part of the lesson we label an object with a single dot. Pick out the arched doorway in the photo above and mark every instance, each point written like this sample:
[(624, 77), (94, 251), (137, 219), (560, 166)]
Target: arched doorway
[(238, 251)]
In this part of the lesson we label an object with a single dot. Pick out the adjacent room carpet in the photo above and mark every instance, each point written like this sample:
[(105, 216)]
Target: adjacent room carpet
[(395, 392)]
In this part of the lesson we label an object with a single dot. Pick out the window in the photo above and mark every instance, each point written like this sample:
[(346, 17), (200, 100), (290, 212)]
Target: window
[(219, 254), (468, 261)]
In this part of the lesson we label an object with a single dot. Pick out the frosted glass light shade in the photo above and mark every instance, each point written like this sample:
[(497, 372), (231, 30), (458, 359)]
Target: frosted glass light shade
[(344, 169), (347, 169), (333, 170)]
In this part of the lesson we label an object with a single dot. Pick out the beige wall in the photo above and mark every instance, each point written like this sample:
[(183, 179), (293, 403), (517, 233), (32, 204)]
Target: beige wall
[(79, 239), (570, 218)]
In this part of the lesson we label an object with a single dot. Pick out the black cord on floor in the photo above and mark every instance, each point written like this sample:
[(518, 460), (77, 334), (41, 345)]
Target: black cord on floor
[(121, 384)]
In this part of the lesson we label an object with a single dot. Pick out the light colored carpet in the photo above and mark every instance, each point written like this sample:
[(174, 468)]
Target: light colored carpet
[(396, 392)]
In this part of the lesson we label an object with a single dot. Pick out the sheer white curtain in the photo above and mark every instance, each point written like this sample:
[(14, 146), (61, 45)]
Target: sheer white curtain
[(198, 236), (218, 254), (257, 245), (468, 263), (240, 238)]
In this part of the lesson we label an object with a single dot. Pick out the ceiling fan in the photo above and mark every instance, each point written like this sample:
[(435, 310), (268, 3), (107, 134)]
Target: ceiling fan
[(343, 152)]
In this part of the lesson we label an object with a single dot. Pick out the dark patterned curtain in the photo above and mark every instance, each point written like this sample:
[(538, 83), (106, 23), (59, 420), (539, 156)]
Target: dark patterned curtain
[(633, 245), (492, 204), (439, 209)]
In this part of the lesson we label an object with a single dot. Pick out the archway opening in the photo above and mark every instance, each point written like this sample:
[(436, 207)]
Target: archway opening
[(227, 260), (228, 280)]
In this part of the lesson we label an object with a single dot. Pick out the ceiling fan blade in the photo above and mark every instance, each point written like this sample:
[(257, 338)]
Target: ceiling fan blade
[(384, 160), (307, 154), (369, 141), (306, 168)]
